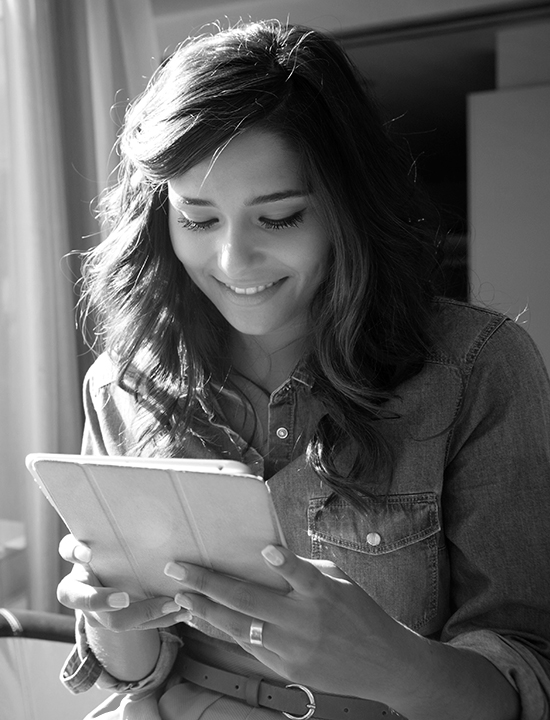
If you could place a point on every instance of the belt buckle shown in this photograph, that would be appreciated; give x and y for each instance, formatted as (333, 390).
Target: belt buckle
(311, 705)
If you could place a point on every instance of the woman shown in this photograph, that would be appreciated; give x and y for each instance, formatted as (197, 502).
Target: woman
(266, 294)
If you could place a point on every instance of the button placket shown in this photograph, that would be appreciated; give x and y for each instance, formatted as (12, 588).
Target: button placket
(281, 412)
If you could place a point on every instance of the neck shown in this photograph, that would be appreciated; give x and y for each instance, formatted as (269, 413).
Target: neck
(265, 363)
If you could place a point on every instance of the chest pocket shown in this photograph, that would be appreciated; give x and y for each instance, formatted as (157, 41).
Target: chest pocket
(392, 551)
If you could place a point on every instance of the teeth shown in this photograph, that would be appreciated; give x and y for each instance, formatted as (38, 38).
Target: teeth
(249, 290)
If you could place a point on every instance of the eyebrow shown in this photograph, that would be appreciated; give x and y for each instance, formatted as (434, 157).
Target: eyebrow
(258, 200)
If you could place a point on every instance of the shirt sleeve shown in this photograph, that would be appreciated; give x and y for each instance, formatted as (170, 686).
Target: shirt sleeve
(109, 416)
(496, 510)
(82, 669)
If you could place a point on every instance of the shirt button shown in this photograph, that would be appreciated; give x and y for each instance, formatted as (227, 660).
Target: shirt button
(282, 433)
(373, 539)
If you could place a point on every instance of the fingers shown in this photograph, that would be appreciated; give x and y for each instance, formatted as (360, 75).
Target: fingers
(80, 591)
(106, 606)
(142, 615)
(303, 576)
(230, 604)
(254, 601)
(244, 597)
(110, 608)
(74, 551)
(224, 602)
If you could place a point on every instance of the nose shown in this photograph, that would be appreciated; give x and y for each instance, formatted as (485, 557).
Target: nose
(238, 252)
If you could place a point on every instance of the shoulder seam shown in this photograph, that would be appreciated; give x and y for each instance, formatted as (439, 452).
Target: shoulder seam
(483, 336)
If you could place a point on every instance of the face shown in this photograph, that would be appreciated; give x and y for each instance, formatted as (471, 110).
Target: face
(246, 230)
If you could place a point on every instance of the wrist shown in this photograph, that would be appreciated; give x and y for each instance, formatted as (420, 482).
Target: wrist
(129, 655)
(444, 681)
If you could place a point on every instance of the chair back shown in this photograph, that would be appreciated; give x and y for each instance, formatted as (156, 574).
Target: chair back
(33, 648)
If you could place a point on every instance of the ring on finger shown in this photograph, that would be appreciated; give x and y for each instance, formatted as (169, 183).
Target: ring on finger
(256, 632)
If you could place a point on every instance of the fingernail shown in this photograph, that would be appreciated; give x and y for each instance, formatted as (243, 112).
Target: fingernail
(273, 555)
(82, 553)
(183, 617)
(175, 571)
(118, 600)
(170, 607)
(183, 601)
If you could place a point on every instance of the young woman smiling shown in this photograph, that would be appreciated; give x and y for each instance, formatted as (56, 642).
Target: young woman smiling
(266, 294)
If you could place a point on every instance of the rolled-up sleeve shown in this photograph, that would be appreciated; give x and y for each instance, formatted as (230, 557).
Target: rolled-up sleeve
(82, 669)
(522, 666)
(496, 507)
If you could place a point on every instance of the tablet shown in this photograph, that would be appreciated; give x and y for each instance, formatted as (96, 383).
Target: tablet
(137, 514)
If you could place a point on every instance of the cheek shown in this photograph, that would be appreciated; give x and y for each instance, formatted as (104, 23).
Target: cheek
(317, 248)
(179, 251)
(180, 242)
(315, 259)
(174, 238)
(185, 250)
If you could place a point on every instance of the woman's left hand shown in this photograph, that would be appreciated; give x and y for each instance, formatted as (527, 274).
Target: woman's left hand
(326, 633)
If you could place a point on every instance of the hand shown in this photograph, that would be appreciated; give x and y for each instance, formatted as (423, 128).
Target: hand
(326, 633)
(104, 606)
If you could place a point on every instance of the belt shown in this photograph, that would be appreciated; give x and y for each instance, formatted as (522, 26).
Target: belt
(296, 702)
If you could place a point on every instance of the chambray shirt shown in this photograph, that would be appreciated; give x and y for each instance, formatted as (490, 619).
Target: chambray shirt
(459, 550)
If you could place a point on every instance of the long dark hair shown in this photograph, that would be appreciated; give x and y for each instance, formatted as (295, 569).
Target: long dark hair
(373, 311)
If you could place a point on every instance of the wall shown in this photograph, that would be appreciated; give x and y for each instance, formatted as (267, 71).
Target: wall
(175, 24)
(509, 183)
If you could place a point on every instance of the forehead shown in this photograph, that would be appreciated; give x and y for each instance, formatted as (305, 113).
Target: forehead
(254, 163)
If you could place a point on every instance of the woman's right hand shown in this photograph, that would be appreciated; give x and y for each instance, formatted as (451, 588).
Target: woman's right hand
(108, 607)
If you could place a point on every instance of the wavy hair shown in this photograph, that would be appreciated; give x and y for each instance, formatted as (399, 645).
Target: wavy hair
(373, 311)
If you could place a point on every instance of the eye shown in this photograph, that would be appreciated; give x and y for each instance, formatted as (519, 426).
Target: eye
(291, 221)
(195, 225)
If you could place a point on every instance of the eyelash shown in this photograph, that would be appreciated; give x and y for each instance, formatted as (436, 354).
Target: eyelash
(192, 225)
(288, 222)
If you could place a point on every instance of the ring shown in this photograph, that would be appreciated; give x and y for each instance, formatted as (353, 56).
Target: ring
(256, 632)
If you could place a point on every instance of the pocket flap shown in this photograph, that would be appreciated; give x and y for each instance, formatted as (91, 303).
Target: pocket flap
(389, 523)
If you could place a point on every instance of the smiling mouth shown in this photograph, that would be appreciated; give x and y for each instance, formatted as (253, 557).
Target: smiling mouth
(251, 290)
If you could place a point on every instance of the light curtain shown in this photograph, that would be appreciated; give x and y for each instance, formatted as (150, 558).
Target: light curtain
(42, 221)
(124, 52)
(39, 350)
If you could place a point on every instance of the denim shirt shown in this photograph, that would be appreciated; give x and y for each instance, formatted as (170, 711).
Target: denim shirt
(460, 548)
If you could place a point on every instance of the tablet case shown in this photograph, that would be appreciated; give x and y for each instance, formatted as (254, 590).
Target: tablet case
(136, 514)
